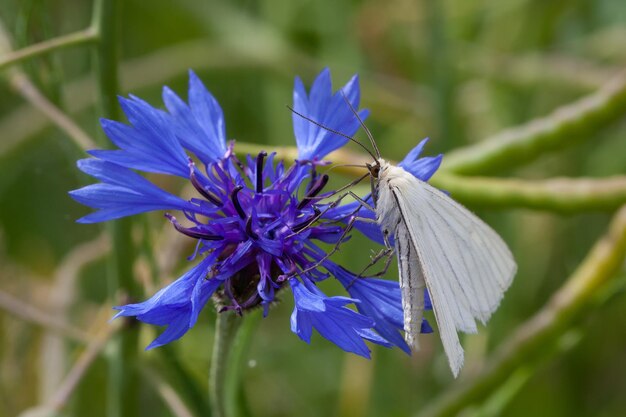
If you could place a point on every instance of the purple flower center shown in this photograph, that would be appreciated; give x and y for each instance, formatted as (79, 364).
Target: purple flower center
(256, 219)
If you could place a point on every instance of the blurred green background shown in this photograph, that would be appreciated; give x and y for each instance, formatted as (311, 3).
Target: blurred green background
(456, 71)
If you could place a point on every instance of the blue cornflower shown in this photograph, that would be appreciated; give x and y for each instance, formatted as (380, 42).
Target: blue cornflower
(256, 221)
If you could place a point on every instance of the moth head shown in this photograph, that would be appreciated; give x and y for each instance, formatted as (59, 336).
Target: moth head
(374, 169)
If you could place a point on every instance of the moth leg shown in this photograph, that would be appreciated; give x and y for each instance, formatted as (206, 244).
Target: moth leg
(364, 219)
(337, 191)
(319, 214)
(386, 239)
(335, 248)
(389, 256)
(363, 202)
(335, 203)
(386, 253)
(349, 226)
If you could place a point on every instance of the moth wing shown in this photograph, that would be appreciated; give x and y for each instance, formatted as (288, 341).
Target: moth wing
(411, 285)
(467, 267)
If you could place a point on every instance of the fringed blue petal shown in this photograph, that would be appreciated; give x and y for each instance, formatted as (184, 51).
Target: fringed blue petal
(329, 316)
(329, 110)
(121, 193)
(149, 144)
(379, 300)
(176, 306)
(199, 126)
(422, 168)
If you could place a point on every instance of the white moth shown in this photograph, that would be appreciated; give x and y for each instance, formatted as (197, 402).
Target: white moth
(441, 246)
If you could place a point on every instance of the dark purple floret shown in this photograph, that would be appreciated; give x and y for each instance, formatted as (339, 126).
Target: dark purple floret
(263, 212)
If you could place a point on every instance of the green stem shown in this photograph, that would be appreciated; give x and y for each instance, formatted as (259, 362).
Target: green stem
(239, 352)
(506, 392)
(31, 313)
(442, 77)
(568, 303)
(560, 195)
(232, 338)
(180, 377)
(532, 69)
(226, 327)
(24, 87)
(77, 38)
(560, 129)
(500, 398)
(123, 388)
(123, 383)
(104, 23)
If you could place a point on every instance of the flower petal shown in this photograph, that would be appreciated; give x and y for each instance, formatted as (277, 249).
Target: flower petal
(121, 193)
(327, 109)
(330, 317)
(200, 125)
(149, 144)
(379, 299)
(422, 168)
(176, 306)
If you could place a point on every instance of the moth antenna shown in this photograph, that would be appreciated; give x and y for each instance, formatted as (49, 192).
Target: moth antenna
(367, 131)
(346, 165)
(336, 132)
